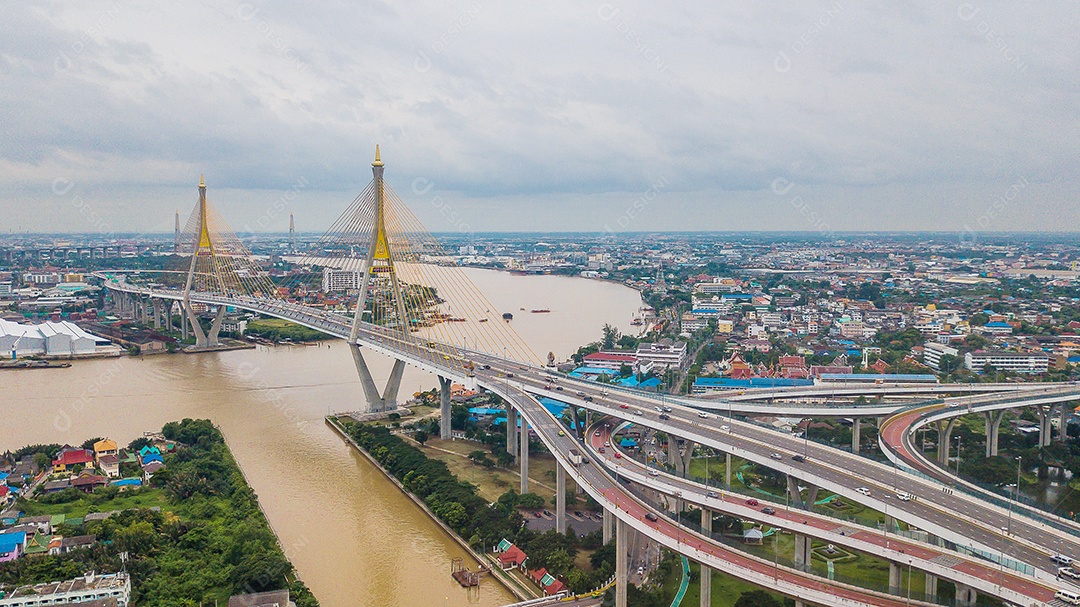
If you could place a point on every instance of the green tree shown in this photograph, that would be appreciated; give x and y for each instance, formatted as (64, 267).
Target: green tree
(421, 436)
(611, 336)
(757, 598)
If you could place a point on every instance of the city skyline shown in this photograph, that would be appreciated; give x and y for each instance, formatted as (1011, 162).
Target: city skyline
(627, 117)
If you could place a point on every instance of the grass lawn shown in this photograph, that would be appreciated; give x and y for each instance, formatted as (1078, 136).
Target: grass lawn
(138, 498)
(725, 588)
(494, 482)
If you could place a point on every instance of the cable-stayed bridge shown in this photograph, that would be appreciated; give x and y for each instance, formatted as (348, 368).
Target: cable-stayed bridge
(408, 301)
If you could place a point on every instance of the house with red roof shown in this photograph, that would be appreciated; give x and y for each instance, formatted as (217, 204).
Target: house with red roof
(69, 458)
(510, 556)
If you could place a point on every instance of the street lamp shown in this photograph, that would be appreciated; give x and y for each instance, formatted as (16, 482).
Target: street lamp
(776, 553)
(1016, 492)
(957, 456)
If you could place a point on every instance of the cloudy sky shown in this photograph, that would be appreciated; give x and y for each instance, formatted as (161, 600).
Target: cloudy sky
(576, 116)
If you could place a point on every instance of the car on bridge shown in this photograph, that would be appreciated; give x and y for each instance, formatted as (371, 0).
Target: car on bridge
(751, 502)
(712, 494)
(624, 406)
(652, 517)
(768, 510)
(703, 415)
(776, 456)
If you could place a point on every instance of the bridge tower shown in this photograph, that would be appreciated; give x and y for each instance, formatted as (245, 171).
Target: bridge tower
(378, 271)
(203, 253)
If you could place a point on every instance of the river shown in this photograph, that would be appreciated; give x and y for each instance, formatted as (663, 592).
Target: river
(354, 538)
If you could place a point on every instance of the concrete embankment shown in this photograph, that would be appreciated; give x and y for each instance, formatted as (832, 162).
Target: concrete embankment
(520, 591)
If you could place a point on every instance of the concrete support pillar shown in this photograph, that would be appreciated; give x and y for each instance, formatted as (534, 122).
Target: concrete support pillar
(894, 577)
(1045, 429)
(803, 547)
(183, 322)
(523, 455)
(444, 402)
(993, 426)
(196, 328)
(156, 305)
(560, 498)
(945, 428)
(706, 574)
(511, 431)
(215, 328)
(1063, 421)
(856, 427)
(622, 577)
(688, 454)
(931, 585)
(797, 499)
(578, 429)
(727, 470)
(673, 458)
(966, 596)
(609, 525)
(373, 400)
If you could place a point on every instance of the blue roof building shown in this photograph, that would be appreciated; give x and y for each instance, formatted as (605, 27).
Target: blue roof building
(715, 384)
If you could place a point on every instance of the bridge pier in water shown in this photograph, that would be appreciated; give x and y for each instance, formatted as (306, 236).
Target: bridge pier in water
(706, 573)
(622, 577)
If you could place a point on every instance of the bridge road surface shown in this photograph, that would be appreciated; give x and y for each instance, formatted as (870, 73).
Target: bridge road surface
(629, 509)
(953, 516)
(822, 526)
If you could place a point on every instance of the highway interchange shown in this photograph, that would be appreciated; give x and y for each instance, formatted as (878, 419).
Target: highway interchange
(951, 515)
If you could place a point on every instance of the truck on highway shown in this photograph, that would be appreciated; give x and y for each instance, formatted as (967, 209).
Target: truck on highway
(575, 457)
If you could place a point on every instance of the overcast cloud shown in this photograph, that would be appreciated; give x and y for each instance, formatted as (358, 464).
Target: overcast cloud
(559, 115)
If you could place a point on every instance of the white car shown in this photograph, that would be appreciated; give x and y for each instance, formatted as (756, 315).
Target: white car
(638, 412)
(1069, 572)
(863, 490)
(777, 456)
(903, 496)
(725, 428)
(703, 415)
(659, 409)
(653, 473)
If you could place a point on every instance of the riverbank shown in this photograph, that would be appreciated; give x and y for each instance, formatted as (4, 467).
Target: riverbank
(520, 591)
(195, 533)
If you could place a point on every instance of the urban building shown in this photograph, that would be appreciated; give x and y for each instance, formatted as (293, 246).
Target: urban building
(335, 281)
(933, 351)
(83, 589)
(62, 338)
(663, 354)
(1017, 362)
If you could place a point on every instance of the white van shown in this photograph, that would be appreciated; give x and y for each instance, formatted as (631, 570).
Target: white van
(1068, 596)
(1061, 559)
